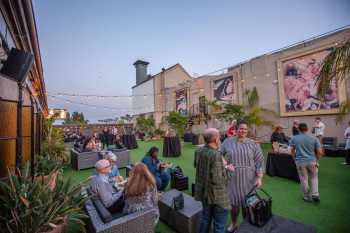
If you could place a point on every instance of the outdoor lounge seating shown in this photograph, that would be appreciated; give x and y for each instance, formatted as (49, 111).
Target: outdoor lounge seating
(83, 160)
(123, 157)
(101, 220)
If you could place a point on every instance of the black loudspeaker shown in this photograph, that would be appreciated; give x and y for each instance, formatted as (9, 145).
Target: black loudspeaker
(17, 65)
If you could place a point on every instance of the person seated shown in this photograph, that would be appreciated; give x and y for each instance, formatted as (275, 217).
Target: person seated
(114, 174)
(157, 168)
(141, 191)
(92, 143)
(110, 196)
(279, 136)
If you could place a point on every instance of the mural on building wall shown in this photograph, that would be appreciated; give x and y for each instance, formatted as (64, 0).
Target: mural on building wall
(223, 89)
(298, 86)
(181, 101)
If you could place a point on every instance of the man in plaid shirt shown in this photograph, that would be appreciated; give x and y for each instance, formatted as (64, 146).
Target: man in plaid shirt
(211, 183)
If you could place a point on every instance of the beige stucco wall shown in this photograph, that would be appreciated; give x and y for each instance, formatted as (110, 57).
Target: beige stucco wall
(165, 84)
(262, 72)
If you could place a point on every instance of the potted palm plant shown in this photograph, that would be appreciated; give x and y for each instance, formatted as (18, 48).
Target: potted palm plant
(29, 206)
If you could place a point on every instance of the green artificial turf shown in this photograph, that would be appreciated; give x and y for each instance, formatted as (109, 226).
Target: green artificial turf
(330, 216)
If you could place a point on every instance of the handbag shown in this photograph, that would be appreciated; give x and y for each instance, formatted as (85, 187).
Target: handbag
(178, 202)
(259, 210)
(177, 171)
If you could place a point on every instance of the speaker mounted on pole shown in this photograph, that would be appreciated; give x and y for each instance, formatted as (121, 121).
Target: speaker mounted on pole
(17, 65)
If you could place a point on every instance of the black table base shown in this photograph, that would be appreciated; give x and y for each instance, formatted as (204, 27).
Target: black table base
(129, 141)
(281, 165)
(195, 139)
(171, 147)
(334, 151)
(188, 137)
(347, 157)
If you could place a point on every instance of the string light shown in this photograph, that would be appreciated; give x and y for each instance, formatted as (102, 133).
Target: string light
(91, 105)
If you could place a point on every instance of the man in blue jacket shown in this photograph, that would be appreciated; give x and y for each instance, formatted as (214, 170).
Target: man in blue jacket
(157, 168)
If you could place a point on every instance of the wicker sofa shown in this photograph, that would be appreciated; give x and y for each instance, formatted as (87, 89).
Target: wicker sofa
(102, 221)
(83, 160)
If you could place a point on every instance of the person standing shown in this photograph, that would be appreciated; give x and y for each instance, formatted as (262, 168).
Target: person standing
(295, 129)
(104, 137)
(319, 128)
(347, 144)
(307, 151)
(347, 137)
(211, 183)
(279, 136)
(231, 131)
(247, 157)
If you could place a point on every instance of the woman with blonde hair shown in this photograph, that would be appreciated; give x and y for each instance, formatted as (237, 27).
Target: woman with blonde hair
(141, 191)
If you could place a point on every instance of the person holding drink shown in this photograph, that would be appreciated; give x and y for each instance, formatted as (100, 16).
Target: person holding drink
(158, 168)
(247, 158)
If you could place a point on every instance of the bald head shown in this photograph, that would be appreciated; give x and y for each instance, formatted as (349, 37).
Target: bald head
(210, 135)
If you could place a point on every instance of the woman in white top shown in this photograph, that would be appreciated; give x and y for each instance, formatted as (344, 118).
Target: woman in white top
(347, 137)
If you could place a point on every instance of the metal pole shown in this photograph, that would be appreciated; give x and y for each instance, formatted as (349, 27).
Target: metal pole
(19, 127)
(32, 138)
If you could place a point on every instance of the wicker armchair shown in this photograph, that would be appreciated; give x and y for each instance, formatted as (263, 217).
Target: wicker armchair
(102, 221)
(123, 157)
(82, 160)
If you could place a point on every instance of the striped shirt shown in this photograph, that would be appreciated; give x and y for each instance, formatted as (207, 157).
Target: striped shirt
(248, 159)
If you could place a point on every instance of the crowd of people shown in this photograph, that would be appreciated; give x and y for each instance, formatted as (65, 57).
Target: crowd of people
(99, 141)
(225, 172)
(139, 192)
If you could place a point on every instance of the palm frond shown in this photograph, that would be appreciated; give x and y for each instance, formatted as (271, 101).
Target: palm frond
(336, 65)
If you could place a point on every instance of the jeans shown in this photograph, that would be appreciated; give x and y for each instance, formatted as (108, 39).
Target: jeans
(162, 180)
(213, 212)
(308, 175)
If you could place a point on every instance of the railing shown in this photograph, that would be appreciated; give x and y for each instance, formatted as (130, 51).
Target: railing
(195, 110)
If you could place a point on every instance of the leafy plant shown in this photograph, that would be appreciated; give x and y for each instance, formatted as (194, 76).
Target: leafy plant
(76, 118)
(30, 206)
(178, 122)
(336, 65)
(45, 165)
(53, 144)
(250, 112)
(146, 125)
(158, 132)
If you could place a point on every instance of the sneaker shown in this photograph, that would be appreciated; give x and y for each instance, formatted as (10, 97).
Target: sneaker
(307, 199)
(231, 229)
(316, 199)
